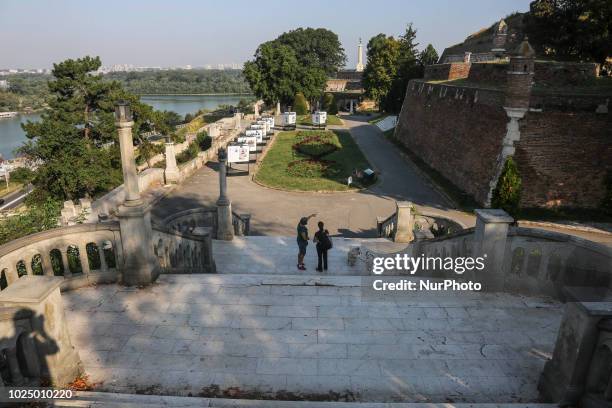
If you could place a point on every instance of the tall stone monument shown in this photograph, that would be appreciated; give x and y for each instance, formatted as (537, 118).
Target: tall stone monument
(360, 66)
(140, 265)
(225, 227)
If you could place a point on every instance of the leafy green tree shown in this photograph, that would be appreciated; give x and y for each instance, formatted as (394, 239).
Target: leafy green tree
(329, 104)
(571, 29)
(75, 142)
(507, 192)
(316, 47)
(300, 105)
(381, 68)
(273, 74)
(408, 67)
(38, 217)
(22, 175)
(428, 56)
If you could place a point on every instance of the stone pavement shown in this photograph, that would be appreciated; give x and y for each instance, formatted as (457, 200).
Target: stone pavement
(313, 337)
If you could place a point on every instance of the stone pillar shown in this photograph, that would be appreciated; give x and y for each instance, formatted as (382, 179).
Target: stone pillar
(256, 110)
(140, 266)
(128, 164)
(41, 295)
(404, 231)
(172, 171)
(564, 378)
(237, 121)
(278, 109)
(351, 109)
(467, 57)
(490, 242)
(67, 272)
(225, 227)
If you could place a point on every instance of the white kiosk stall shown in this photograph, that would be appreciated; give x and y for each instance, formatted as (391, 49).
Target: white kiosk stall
(319, 118)
(288, 120)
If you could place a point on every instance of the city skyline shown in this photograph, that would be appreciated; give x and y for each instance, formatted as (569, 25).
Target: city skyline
(207, 33)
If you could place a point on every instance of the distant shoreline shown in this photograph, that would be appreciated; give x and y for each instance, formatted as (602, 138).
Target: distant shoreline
(198, 94)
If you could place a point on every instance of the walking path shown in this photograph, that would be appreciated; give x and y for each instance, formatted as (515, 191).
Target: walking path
(351, 214)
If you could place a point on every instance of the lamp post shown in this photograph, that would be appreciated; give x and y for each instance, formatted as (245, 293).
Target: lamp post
(225, 227)
(124, 123)
(140, 266)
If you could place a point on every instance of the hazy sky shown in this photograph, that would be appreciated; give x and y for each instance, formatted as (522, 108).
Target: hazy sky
(178, 32)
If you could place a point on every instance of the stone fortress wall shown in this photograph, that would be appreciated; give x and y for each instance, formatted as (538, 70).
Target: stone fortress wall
(562, 144)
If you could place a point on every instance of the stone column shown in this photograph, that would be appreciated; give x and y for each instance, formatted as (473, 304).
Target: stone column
(225, 227)
(351, 109)
(237, 121)
(67, 271)
(256, 109)
(61, 363)
(490, 242)
(278, 109)
(140, 266)
(128, 164)
(172, 171)
(404, 231)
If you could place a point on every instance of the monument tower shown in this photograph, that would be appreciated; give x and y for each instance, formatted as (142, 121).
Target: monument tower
(359, 67)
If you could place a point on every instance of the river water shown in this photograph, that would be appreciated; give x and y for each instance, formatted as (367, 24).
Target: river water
(12, 136)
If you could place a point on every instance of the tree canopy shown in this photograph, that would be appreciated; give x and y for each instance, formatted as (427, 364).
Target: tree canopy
(297, 61)
(579, 30)
(74, 143)
(391, 63)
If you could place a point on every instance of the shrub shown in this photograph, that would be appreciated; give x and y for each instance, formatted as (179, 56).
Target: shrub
(204, 141)
(507, 193)
(38, 217)
(329, 104)
(22, 175)
(300, 105)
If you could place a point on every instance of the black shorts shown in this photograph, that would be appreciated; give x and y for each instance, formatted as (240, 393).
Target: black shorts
(302, 247)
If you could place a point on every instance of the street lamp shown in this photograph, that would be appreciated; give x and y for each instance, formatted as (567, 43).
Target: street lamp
(123, 113)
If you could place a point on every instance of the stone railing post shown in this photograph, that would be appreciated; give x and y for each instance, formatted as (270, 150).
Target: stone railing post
(41, 295)
(84, 259)
(490, 242)
(405, 222)
(46, 264)
(225, 227)
(67, 272)
(139, 264)
(172, 171)
(103, 264)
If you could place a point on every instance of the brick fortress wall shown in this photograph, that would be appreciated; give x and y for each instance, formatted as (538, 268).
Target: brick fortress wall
(564, 152)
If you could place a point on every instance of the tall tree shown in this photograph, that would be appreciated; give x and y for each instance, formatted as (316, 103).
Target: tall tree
(74, 143)
(297, 61)
(381, 68)
(571, 29)
(408, 67)
(429, 56)
(316, 47)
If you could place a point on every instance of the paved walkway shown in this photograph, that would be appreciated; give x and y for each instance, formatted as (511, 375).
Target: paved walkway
(305, 337)
(277, 212)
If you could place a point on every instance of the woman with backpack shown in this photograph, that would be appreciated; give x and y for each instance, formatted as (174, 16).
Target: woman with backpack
(324, 244)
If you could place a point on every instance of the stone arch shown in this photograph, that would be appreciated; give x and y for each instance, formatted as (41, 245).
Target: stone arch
(93, 256)
(57, 264)
(36, 264)
(74, 260)
(20, 266)
(3, 279)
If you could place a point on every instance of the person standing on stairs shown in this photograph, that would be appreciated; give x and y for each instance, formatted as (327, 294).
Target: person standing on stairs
(324, 244)
(302, 240)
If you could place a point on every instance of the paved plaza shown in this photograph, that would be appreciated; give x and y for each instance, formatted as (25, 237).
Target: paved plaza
(308, 335)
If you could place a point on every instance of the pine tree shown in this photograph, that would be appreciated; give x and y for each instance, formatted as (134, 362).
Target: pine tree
(300, 105)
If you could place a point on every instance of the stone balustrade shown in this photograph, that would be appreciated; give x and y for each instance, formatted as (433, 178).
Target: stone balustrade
(184, 252)
(82, 254)
(188, 220)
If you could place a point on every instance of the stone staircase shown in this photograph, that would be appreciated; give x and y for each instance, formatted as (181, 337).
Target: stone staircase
(112, 400)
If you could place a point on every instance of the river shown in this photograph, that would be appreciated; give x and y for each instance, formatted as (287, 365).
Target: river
(12, 136)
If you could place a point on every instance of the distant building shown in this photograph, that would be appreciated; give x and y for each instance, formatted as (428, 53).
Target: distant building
(4, 84)
(346, 84)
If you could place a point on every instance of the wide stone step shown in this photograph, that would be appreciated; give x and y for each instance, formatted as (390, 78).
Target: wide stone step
(111, 400)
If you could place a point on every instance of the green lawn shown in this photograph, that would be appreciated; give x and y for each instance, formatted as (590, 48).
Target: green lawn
(306, 120)
(274, 170)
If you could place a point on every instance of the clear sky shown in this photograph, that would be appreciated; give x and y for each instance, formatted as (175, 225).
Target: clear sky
(36, 33)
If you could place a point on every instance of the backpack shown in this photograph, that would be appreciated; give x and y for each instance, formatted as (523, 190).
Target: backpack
(327, 241)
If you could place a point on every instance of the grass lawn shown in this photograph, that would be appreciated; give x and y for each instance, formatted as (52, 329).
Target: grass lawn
(306, 120)
(274, 170)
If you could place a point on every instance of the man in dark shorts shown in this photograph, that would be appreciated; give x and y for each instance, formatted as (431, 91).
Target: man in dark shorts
(302, 240)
